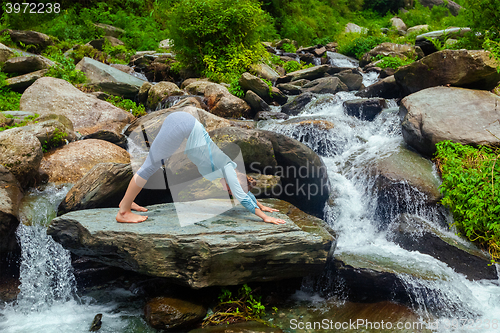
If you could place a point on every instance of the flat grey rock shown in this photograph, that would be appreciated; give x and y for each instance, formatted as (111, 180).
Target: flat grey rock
(109, 79)
(232, 248)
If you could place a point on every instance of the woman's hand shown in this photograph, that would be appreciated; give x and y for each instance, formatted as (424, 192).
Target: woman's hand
(268, 209)
(274, 220)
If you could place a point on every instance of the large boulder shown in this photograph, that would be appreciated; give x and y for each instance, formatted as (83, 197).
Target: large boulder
(406, 167)
(351, 78)
(385, 88)
(231, 248)
(24, 65)
(109, 79)
(10, 198)
(290, 89)
(365, 108)
(52, 130)
(22, 82)
(392, 50)
(256, 103)
(70, 163)
(296, 105)
(264, 71)
(28, 37)
(21, 153)
(325, 85)
(224, 104)
(250, 82)
(103, 186)
(418, 28)
(256, 148)
(414, 233)
(88, 114)
(473, 69)
(153, 121)
(173, 313)
(398, 23)
(5, 53)
(304, 178)
(197, 87)
(445, 113)
(160, 91)
(311, 73)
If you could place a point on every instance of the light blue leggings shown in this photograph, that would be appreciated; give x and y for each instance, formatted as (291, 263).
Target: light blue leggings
(212, 162)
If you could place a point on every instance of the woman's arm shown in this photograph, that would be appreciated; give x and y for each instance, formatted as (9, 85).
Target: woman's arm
(248, 200)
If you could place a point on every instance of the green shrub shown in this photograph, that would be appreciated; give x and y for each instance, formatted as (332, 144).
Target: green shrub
(9, 100)
(288, 48)
(56, 140)
(235, 89)
(127, 105)
(392, 62)
(218, 38)
(64, 68)
(291, 66)
(471, 189)
(358, 46)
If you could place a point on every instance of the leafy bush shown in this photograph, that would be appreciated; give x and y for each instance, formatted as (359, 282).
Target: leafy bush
(393, 62)
(64, 68)
(471, 189)
(235, 88)
(56, 140)
(288, 48)
(360, 45)
(218, 38)
(127, 105)
(9, 100)
(291, 66)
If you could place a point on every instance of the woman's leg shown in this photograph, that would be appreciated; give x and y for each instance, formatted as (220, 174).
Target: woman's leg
(125, 214)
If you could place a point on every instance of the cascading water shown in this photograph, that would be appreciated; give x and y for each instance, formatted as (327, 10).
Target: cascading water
(48, 301)
(351, 150)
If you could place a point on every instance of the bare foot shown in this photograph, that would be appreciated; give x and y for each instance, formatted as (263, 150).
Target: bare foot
(274, 220)
(138, 208)
(129, 217)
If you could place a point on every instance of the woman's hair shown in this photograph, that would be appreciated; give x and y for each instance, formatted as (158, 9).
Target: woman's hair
(242, 178)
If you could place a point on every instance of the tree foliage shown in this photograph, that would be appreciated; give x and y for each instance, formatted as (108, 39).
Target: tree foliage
(218, 38)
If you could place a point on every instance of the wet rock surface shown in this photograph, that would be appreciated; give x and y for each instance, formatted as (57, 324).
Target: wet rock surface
(228, 249)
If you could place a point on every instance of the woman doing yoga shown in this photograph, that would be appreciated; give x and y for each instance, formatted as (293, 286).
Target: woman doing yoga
(212, 163)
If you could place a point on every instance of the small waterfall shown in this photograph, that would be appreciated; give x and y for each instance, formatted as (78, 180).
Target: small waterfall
(370, 78)
(340, 60)
(46, 271)
(48, 301)
(46, 274)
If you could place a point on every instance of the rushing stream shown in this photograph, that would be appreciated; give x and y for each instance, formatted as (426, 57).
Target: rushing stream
(49, 302)
(349, 150)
